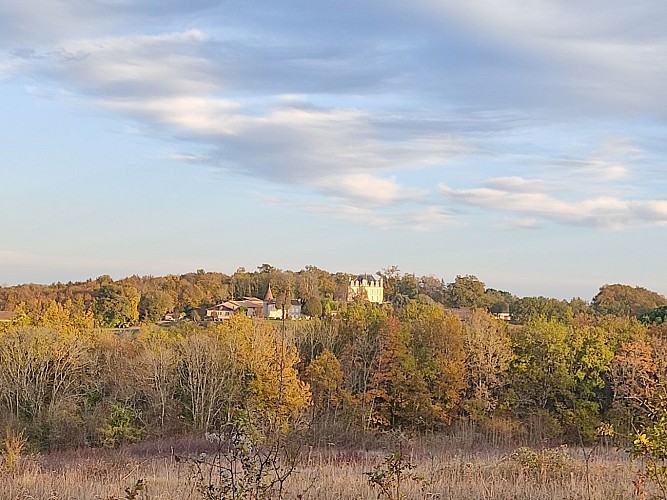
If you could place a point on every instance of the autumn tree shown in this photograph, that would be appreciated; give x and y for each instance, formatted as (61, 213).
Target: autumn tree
(333, 405)
(398, 396)
(488, 356)
(156, 369)
(637, 378)
(154, 305)
(210, 375)
(361, 348)
(437, 344)
(275, 390)
(43, 380)
(67, 316)
(308, 283)
(432, 287)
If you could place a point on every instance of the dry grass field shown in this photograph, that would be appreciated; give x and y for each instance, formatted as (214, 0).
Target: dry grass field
(442, 470)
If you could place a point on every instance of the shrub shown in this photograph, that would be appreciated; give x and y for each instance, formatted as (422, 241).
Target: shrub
(120, 428)
(12, 447)
(545, 464)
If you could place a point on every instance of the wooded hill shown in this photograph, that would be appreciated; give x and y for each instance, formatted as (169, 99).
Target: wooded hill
(410, 364)
(148, 298)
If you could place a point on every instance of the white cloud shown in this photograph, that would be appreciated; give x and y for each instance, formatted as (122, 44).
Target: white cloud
(171, 84)
(365, 187)
(568, 57)
(185, 114)
(355, 214)
(511, 223)
(605, 212)
(345, 120)
(131, 66)
(430, 218)
(516, 184)
(612, 161)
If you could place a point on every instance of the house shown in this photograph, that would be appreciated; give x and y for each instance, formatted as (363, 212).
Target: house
(220, 312)
(251, 306)
(270, 311)
(174, 316)
(368, 287)
(463, 313)
(254, 307)
(7, 315)
(505, 316)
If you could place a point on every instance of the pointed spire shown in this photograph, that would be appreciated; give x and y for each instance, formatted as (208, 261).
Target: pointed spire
(269, 295)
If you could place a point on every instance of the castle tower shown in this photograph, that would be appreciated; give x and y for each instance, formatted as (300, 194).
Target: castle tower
(268, 297)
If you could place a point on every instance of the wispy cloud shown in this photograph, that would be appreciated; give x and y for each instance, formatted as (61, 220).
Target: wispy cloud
(432, 86)
(430, 218)
(604, 212)
(516, 184)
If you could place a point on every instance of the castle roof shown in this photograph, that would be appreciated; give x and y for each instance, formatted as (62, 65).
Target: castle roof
(269, 295)
(368, 277)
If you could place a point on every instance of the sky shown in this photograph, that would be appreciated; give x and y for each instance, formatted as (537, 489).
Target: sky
(520, 142)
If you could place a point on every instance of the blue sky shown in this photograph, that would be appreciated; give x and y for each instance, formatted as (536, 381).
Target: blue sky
(522, 142)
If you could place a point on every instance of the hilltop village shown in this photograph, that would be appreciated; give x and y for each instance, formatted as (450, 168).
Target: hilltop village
(272, 293)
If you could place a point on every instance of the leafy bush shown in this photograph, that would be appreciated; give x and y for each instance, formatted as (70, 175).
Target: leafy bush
(545, 464)
(120, 428)
(392, 474)
(650, 445)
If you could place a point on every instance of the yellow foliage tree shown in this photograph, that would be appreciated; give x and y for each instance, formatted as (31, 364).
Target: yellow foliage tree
(275, 389)
(330, 398)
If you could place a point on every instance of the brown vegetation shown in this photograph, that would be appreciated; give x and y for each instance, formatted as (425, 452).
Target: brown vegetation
(446, 469)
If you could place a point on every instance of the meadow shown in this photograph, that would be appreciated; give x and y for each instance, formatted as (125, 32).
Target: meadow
(435, 467)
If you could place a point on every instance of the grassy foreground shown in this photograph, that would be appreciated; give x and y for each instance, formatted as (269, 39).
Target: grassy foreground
(441, 470)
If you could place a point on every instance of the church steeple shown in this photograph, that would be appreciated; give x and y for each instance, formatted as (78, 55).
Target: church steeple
(269, 295)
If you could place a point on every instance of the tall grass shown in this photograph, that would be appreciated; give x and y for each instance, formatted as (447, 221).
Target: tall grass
(448, 471)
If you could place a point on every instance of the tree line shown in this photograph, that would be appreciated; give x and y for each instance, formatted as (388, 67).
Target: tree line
(371, 368)
(129, 301)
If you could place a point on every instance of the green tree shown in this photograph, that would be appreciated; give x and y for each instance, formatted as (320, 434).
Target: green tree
(361, 349)
(527, 309)
(390, 278)
(408, 286)
(655, 316)
(466, 291)
(540, 375)
(313, 307)
(624, 300)
(499, 301)
(115, 305)
(154, 305)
